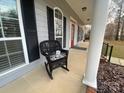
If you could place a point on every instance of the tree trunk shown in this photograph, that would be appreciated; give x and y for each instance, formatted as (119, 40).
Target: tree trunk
(118, 27)
(122, 31)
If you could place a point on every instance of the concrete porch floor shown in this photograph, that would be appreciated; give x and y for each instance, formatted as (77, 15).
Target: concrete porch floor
(37, 81)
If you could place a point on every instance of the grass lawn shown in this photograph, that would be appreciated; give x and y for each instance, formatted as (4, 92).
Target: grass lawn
(118, 49)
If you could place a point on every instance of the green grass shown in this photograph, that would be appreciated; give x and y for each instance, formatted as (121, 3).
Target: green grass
(118, 49)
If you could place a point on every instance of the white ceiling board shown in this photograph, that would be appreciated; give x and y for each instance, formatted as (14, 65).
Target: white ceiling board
(77, 6)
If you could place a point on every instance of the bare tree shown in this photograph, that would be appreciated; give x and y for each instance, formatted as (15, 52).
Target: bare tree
(111, 23)
(119, 21)
(119, 18)
(122, 29)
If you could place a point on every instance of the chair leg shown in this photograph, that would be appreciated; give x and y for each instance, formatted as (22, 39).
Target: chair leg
(65, 68)
(51, 76)
(48, 71)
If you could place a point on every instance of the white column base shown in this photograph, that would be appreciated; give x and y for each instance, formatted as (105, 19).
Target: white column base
(91, 84)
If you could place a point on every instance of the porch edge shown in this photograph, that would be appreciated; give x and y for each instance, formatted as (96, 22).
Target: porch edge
(9, 77)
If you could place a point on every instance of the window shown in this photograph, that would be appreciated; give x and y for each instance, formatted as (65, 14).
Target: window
(11, 45)
(58, 25)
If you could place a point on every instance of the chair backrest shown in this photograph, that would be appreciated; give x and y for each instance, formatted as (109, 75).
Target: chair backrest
(49, 46)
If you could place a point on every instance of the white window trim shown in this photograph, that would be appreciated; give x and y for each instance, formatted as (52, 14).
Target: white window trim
(22, 38)
(22, 31)
(12, 38)
(55, 25)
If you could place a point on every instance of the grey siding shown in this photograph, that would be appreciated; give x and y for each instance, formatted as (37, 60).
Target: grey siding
(67, 10)
(41, 17)
(41, 21)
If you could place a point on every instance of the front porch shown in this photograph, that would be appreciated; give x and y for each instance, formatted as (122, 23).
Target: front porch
(37, 80)
(60, 20)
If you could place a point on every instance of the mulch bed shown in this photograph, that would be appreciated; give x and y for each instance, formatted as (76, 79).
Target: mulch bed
(110, 78)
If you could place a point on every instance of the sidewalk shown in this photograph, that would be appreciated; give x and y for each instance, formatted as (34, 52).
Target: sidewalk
(118, 61)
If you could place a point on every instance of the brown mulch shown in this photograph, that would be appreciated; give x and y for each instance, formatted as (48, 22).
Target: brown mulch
(110, 78)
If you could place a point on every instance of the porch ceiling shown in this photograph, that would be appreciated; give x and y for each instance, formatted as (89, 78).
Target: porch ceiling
(77, 5)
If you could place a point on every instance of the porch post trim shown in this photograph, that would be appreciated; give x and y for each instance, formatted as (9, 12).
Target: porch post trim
(100, 16)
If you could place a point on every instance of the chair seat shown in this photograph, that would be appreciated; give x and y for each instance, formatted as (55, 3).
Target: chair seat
(55, 57)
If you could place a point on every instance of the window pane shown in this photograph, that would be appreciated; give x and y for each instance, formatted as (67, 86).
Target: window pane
(14, 46)
(58, 14)
(17, 59)
(11, 27)
(8, 8)
(11, 51)
(58, 24)
(2, 48)
(4, 63)
(15, 54)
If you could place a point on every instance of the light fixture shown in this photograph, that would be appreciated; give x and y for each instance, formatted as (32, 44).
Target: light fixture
(84, 9)
(88, 19)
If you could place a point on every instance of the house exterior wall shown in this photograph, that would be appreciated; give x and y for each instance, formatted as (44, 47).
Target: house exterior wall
(41, 18)
(42, 31)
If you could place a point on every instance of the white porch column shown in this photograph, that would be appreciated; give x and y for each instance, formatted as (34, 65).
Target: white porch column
(96, 40)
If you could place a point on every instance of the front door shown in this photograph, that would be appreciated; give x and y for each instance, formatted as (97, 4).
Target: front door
(72, 34)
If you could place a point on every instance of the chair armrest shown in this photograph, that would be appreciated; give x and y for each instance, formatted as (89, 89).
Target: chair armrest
(47, 56)
(65, 51)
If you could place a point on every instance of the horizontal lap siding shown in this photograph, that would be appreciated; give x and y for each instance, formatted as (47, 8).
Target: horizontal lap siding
(41, 20)
(41, 17)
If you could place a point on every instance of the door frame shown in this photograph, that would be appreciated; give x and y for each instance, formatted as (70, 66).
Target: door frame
(73, 21)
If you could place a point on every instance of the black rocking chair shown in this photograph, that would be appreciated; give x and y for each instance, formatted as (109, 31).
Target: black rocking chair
(49, 49)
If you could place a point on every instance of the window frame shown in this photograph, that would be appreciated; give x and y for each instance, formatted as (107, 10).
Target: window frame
(22, 38)
(55, 25)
